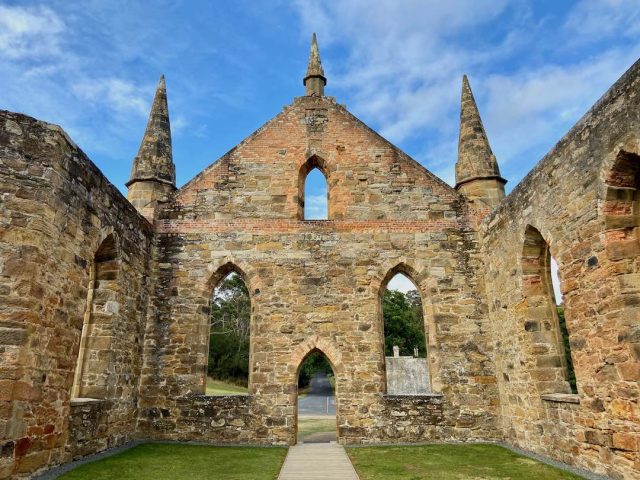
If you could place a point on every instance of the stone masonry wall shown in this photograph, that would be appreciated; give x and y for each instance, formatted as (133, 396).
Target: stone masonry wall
(317, 284)
(590, 227)
(55, 210)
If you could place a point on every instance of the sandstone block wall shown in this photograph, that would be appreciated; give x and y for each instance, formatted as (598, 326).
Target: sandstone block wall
(318, 284)
(55, 210)
(582, 199)
(494, 354)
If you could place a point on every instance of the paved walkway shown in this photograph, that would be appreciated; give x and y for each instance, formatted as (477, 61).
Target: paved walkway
(317, 461)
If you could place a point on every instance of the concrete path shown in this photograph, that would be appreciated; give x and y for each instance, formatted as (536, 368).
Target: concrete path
(317, 461)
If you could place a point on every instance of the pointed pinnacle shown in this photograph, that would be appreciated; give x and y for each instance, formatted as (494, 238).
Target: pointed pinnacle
(155, 158)
(475, 158)
(314, 67)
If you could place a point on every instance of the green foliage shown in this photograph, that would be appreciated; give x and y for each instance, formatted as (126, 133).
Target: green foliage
(403, 322)
(230, 328)
(314, 363)
(195, 462)
(571, 373)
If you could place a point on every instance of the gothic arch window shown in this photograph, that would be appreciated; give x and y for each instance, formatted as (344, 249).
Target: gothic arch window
(622, 202)
(404, 334)
(548, 345)
(621, 210)
(94, 362)
(313, 190)
(229, 335)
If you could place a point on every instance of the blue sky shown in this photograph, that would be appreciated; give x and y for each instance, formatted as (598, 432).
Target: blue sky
(92, 67)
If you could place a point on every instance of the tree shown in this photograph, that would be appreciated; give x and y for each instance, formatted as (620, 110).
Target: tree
(314, 363)
(571, 373)
(403, 322)
(230, 330)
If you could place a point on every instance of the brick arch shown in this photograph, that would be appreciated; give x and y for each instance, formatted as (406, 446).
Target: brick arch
(223, 267)
(621, 198)
(387, 270)
(312, 162)
(316, 344)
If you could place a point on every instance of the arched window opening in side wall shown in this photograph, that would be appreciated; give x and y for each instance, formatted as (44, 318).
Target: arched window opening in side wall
(229, 337)
(313, 188)
(94, 365)
(562, 323)
(405, 346)
(549, 349)
(621, 212)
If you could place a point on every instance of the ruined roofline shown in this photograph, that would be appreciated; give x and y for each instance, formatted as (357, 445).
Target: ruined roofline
(82, 157)
(404, 156)
(609, 95)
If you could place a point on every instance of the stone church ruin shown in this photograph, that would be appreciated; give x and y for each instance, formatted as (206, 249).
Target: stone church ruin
(105, 300)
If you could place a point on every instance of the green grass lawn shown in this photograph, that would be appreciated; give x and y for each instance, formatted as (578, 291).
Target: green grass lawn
(193, 462)
(449, 462)
(218, 387)
(308, 426)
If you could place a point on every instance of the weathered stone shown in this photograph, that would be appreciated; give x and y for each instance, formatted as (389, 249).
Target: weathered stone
(98, 301)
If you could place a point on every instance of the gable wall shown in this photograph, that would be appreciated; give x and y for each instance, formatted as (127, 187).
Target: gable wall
(318, 283)
(368, 178)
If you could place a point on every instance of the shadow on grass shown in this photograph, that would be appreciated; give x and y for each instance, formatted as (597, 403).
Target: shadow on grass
(154, 461)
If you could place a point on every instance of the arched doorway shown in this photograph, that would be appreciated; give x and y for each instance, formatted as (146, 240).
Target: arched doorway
(316, 400)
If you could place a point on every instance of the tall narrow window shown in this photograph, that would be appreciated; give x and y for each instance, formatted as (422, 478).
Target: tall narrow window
(315, 196)
(95, 362)
(229, 337)
(550, 348)
(313, 191)
(407, 368)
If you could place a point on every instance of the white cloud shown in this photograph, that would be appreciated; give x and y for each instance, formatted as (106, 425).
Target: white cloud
(29, 32)
(592, 20)
(537, 106)
(121, 96)
(315, 207)
(405, 61)
(555, 281)
(404, 66)
(401, 283)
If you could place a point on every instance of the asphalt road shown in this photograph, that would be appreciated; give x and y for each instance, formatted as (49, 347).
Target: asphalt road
(320, 400)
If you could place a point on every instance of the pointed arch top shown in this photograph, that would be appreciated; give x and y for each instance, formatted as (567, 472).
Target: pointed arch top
(317, 344)
(315, 161)
(108, 249)
(407, 270)
(222, 272)
(536, 263)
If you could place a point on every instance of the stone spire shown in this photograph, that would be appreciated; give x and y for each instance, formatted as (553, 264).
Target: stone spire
(153, 175)
(477, 171)
(314, 80)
